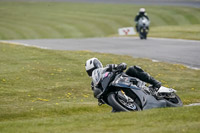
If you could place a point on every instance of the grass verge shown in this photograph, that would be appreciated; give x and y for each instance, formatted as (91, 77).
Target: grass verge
(49, 91)
(30, 20)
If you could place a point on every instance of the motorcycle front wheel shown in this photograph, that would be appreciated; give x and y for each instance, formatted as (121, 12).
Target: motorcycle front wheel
(121, 104)
(143, 34)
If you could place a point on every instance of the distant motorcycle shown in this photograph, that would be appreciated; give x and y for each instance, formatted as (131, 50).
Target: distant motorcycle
(143, 27)
(125, 93)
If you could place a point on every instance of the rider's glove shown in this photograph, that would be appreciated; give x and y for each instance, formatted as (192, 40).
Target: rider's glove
(111, 67)
(121, 66)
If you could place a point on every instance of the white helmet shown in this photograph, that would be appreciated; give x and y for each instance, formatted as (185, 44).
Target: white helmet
(142, 10)
(92, 64)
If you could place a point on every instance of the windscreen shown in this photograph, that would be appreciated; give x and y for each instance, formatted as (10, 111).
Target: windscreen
(143, 20)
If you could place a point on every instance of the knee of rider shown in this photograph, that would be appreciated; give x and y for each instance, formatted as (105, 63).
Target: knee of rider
(138, 69)
(144, 76)
(131, 71)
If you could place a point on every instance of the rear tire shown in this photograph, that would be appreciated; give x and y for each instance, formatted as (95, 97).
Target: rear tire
(114, 101)
(174, 102)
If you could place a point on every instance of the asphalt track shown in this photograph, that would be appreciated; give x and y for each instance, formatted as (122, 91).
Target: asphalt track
(176, 51)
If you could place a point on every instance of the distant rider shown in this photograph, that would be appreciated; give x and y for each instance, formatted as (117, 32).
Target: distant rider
(133, 71)
(141, 13)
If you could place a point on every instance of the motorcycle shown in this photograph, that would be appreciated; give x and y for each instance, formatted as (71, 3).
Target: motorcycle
(125, 93)
(143, 27)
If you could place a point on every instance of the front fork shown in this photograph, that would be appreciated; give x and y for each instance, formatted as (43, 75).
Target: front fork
(128, 99)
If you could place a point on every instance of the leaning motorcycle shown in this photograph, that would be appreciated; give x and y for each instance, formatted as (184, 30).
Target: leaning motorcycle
(125, 93)
(143, 27)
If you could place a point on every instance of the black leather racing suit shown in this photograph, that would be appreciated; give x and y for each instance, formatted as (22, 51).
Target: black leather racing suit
(136, 71)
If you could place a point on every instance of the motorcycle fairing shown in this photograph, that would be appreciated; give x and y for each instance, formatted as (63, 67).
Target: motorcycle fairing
(143, 21)
(106, 80)
(147, 101)
(103, 84)
(100, 76)
(125, 82)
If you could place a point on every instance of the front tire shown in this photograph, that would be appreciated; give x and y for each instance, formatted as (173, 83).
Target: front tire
(120, 104)
(141, 33)
(145, 35)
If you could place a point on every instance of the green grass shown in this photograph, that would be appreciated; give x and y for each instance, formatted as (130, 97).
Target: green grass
(179, 120)
(185, 32)
(49, 91)
(31, 20)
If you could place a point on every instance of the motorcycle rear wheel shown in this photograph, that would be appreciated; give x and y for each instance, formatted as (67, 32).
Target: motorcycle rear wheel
(174, 102)
(119, 105)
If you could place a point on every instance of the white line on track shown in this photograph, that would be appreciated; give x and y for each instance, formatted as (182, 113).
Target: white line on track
(24, 44)
(193, 104)
(162, 39)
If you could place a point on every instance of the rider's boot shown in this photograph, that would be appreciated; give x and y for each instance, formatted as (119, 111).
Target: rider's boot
(156, 84)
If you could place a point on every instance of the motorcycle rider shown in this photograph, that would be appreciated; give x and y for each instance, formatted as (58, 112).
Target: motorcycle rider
(133, 71)
(141, 13)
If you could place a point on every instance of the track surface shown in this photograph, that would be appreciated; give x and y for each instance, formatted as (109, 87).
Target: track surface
(185, 52)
